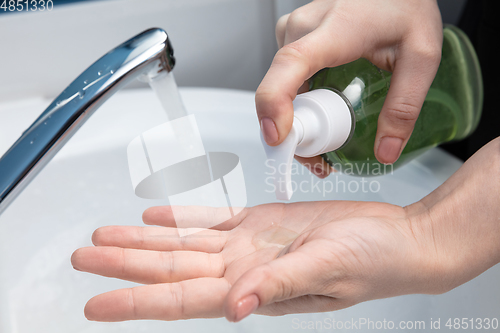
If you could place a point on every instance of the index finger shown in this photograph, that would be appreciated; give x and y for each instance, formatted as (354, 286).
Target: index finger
(293, 64)
(216, 217)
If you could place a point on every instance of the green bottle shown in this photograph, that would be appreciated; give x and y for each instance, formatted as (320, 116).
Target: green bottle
(451, 110)
(338, 117)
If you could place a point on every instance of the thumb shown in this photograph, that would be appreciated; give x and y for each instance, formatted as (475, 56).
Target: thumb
(410, 82)
(287, 277)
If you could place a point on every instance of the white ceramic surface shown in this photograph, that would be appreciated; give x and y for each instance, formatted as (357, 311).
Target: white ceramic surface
(87, 185)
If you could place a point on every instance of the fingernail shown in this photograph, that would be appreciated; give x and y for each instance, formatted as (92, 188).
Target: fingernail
(246, 306)
(319, 172)
(269, 131)
(389, 149)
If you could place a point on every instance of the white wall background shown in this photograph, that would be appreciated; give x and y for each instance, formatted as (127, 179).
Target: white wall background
(217, 43)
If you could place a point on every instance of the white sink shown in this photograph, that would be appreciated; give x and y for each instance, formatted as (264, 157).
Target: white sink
(87, 185)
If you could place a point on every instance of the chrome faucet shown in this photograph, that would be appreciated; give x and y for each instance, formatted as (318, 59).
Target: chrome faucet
(148, 53)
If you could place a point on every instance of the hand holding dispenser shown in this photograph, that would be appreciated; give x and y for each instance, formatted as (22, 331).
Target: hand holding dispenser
(338, 118)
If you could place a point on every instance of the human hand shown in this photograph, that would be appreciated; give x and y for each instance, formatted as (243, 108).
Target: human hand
(341, 253)
(403, 37)
(271, 259)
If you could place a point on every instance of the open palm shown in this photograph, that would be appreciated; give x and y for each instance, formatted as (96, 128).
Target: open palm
(270, 259)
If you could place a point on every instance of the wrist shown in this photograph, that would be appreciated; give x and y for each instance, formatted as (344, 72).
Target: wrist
(430, 261)
(459, 223)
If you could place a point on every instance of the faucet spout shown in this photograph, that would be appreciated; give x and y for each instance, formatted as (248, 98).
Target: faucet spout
(148, 53)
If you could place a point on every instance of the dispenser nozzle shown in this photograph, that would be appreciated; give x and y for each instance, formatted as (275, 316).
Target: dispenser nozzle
(323, 121)
(280, 159)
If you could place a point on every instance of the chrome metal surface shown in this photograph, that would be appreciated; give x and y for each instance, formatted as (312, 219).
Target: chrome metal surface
(148, 53)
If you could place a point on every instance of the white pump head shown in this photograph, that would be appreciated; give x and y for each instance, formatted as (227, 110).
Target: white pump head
(322, 122)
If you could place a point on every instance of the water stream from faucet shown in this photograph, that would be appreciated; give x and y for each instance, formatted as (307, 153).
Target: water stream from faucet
(166, 91)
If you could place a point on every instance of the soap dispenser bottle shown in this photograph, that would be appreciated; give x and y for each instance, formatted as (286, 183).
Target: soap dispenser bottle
(337, 118)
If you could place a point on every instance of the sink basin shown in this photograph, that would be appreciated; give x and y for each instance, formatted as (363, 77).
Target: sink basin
(87, 185)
